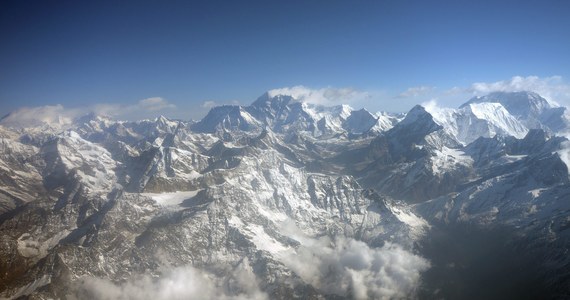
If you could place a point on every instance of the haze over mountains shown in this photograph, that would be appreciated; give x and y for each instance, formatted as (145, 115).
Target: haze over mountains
(287, 199)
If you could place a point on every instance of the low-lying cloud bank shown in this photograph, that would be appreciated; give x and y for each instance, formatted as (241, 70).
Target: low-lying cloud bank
(176, 283)
(58, 115)
(343, 267)
(350, 268)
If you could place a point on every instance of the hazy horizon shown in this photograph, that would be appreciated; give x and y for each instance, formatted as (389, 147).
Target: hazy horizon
(180, 59)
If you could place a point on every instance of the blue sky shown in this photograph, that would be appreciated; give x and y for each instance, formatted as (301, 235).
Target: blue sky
(179, 58)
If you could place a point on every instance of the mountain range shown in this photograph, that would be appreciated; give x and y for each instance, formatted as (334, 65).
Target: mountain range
(286, 199)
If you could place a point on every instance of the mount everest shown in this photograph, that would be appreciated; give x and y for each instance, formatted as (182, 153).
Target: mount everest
(286, 199)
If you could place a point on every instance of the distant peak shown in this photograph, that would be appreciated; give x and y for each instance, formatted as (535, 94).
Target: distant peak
(296, 92)
(363, 112)
(512, 98)
(343, 110)
(268, 99)
(417, 109)
(162, 119)
(517, 93)
(92, 116)
(475, 106)
(416, 113)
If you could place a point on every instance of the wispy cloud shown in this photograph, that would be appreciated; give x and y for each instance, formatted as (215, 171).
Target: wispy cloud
(211, 103)
(516, 84)
(553, 88)
(151, 105)
(58, 115)
(416, 91)
(324, 96)
(36, 116)
(564, 153)
(454, 91)
(154, 104)
(208, 104)
(176, 283)
(344, 267)
(351, 269)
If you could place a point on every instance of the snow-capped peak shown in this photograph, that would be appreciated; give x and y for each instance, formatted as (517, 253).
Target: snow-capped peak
(227, 118)
(441, 115)
(286, 111)
(418, 113)
(299, 93)
(498, 117)
(274, 102)
(475, 120)
(529, 108)
(518, 103)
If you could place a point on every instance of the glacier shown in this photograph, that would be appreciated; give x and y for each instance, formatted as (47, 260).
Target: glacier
(287, 199)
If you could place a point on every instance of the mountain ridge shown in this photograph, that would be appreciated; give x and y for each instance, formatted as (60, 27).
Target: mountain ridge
(279, 192)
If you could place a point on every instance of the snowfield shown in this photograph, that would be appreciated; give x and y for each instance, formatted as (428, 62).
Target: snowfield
(286, 199)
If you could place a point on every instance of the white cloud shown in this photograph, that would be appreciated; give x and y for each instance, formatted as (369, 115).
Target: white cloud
(416, 91)
(553, 88)
(341, 266)
(108, 109)
(211, 104)
(324, 96)
(58, 116)
(208, 104)
(177, 283)
(564, 153)
(55, 115)
(148, 106)
(516, 84)
(154, 104)
(347, 267)
(352, 269)
(431, 105)
(454, 91)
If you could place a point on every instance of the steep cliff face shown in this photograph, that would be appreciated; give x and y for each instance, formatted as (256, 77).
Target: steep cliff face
(246, 205)
(531, 109)
(280, 199)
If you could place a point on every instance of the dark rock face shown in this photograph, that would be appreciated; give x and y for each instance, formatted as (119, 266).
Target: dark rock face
(283, 199)
(533, 110)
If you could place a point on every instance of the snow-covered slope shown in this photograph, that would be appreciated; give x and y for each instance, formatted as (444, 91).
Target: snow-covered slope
(530, 108)
(20, 174)
(284, 114)
(135, 200)
(520, 187)
(277, 200)
(476, 120)
(226, 118)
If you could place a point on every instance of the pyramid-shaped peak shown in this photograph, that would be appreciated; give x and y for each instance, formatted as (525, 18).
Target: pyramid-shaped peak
(162, 119)
(417, 112)
(268, 100)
